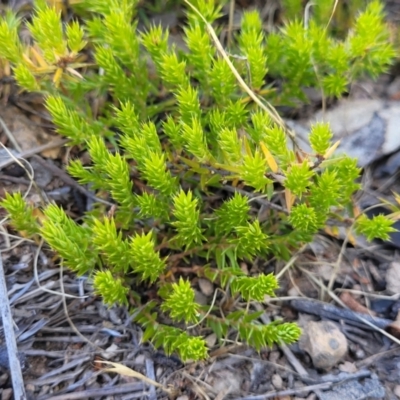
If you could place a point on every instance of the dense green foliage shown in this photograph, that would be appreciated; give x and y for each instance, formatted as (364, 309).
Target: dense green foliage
(191, 123)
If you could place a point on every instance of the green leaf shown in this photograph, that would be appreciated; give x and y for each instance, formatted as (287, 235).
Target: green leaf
(255, 288)
(180, 303)
(320, 137)
(22, 215)
(298, 178)
(146, 261)
(187, 221)
(379, 227)
(253, 171)
(111, 289)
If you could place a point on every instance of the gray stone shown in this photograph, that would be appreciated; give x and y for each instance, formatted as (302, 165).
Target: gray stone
(367, 129)
(370, 388)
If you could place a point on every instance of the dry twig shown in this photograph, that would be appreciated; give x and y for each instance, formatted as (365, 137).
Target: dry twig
(15, 365)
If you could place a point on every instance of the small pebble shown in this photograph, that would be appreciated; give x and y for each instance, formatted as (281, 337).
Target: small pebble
(114, 317)
(211, 339)
(277, 382)
(140, 359)
(3, 378)
(43, 390)
(393, 278)
(360, 354)
(30, 388)
(324, 342)
(206, 287)
(226, 382)
(110, 352)
(294, 292)
(6, 395)
(348, 367)
(274, 356)
(396, 390)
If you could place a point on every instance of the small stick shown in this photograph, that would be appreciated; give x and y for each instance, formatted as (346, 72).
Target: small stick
(332, 312)
(6, 316)
(21, 181)
(288, 392)
(304, 375)
(68, 180)
(294, 362)
(135, 389)
(354, 305)
(31, 152)
(345, 376)
(375, 357)
(151, 375)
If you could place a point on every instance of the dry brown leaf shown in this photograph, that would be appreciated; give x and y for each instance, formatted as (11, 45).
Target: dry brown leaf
(290, 199)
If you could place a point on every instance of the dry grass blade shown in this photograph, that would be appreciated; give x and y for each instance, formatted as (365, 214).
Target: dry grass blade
(126, 371)
(10, 136)
(290, 262)
(268, 108)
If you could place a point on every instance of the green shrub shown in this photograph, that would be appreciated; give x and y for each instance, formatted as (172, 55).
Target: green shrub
(187, 125)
